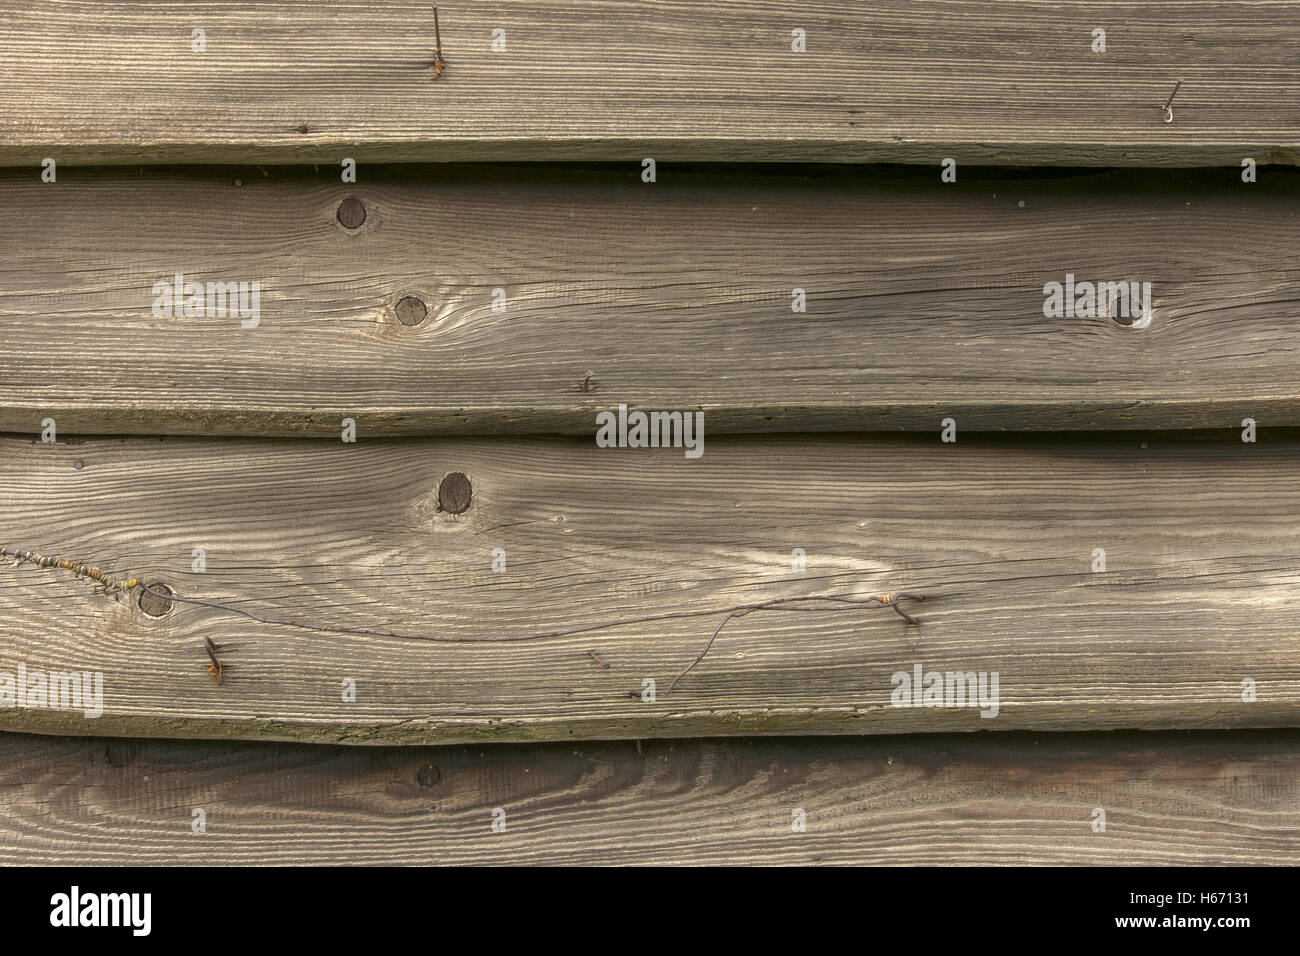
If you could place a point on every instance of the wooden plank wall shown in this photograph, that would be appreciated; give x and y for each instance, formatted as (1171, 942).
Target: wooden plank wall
(939, 799)
(892, 81)
(1112, 532)
(673, 295)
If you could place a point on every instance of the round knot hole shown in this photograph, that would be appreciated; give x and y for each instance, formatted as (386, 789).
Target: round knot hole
(152, 601)
(352, 213)
(455, 494)
(411, 311)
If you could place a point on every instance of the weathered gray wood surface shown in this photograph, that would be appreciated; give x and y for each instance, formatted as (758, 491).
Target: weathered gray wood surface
(925, 301)
(1205, 798)
(622, 79)
(1199, 594)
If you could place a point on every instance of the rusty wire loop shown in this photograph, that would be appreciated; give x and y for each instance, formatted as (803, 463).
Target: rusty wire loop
(119, 586)
(105, 583)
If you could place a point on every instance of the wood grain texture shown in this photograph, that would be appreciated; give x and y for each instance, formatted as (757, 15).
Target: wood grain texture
(1199, 592)
(925, 300)
(1205, 798)
(891, 81)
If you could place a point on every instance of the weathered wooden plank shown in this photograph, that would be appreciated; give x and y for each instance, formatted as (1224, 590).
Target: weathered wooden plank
(924, 300)
(1198, 595)
(894, 81)
(1206, 798)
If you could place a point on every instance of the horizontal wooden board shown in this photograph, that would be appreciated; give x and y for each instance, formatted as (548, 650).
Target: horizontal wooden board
(1198, 595)
(1206, 798)
(924, 301)
(892, 81)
